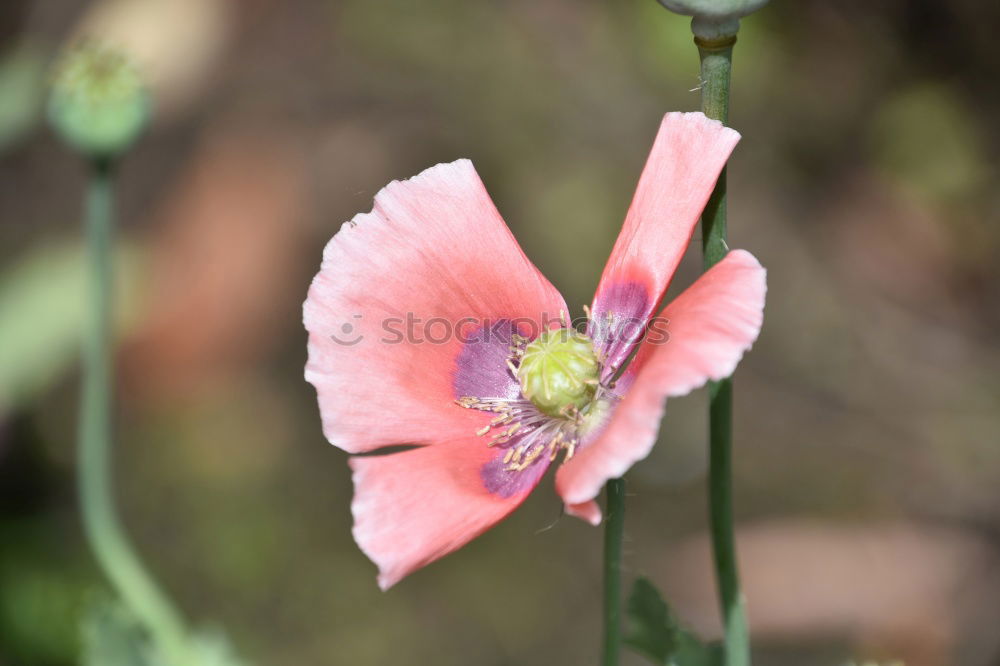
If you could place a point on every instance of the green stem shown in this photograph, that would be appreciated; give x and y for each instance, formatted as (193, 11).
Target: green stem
(614, 529)
(716, 68)
(101, 523)
(716, 65)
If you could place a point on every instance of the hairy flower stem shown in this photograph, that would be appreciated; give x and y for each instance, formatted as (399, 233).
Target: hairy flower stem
(716, 66)
(103, 528)
(614, 529)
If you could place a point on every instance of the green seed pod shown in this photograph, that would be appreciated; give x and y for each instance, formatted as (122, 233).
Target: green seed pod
(559, 372)
(98, 104)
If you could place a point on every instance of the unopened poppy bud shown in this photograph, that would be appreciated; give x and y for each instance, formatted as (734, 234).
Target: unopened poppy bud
(714, 19)
(559, 371)
(98, 104)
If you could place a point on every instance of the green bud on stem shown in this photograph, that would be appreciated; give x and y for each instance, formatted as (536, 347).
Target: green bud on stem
(98, 104)
(714, 20)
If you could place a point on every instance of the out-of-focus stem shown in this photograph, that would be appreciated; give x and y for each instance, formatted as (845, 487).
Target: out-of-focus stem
(614, 529)
(716, 68)
(103, 528)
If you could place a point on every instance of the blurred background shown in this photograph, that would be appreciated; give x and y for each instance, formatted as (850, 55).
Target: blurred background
(867, 458)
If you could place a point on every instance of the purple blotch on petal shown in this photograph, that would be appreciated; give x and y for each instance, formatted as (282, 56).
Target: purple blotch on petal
(481, 367)
(498, 480)
(619, 318)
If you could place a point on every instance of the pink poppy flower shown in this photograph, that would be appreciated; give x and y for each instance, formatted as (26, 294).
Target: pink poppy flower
(428, 326)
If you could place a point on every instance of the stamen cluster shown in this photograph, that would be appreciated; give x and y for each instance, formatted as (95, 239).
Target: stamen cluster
(561, 398)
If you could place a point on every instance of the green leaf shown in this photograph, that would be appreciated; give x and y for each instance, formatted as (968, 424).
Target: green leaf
(654, 632)
(112, 637)
(649, 623)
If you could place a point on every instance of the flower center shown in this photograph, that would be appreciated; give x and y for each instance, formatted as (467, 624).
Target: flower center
(561, 401)
(559, 372)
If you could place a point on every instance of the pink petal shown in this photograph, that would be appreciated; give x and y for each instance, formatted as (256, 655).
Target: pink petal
(710, 326)
(588, 511)
(414, 507)
(434, 247)
(683, 166)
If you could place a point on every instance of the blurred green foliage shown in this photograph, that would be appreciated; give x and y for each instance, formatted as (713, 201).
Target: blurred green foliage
(923, 136)
(39, 612)
(22, 92)
(113, 637)
(42, 315)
